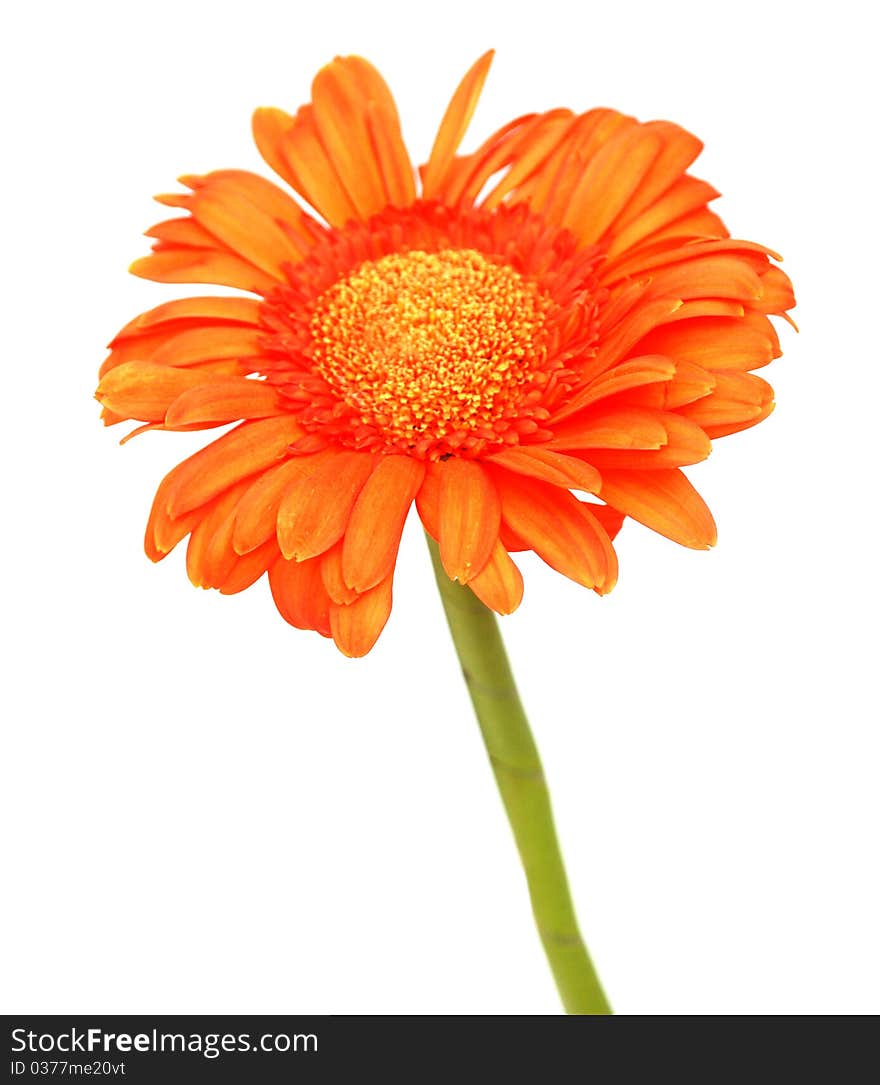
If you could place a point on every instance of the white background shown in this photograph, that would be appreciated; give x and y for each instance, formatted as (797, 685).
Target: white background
(206, 811)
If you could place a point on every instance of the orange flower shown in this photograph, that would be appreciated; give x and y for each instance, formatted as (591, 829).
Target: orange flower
(558, 311)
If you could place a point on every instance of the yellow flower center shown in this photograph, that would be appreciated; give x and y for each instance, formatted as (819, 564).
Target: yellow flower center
(430, 345)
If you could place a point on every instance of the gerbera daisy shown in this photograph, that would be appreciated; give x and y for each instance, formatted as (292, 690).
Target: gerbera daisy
(529, 342)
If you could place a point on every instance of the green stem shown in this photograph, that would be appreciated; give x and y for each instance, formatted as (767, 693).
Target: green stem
(520, 778)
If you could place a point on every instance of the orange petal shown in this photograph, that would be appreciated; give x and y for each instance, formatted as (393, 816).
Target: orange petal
(143, 390)
(270, 127)
(207, 344)
(610, 178)
(706, 307)
(342, 129)
(173, 233)
(553, 187)
(395, 167)
(342, 93)
(262, 193)
(187, 265)
(709, 277)
(356, 626)
(635, 373)
(469, 516)
(317, 505)
(680, 148)
(312, 172)
(469, 173)
(245, 450)
(691, 382)
(223, 401)
(560, 530)
(256, 514)
(748, 342)
(777, 294)
(164, 533)
(300, 595)
(220, 559)
(759, 255)
(428, 502)
(723, 429)
(245, 229)
(499, 584)
(698, 224)
(188, 311)
(685, 443)
(610, 428)
(623, 300)
(209, 556)
(334, 582)
(610, 519)
(665, 254)
(539, 138)
(511, 542)
(737, 397)
(454, 124)
(143, 348)
(543, 463)
(560, 189)
(373, 533)
(174, 199)
(249, 568)
(618, 342)
(664, 501)
(687, 195)
(134, 349)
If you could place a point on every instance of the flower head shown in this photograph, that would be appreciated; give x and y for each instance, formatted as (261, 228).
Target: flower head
(557, 313)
